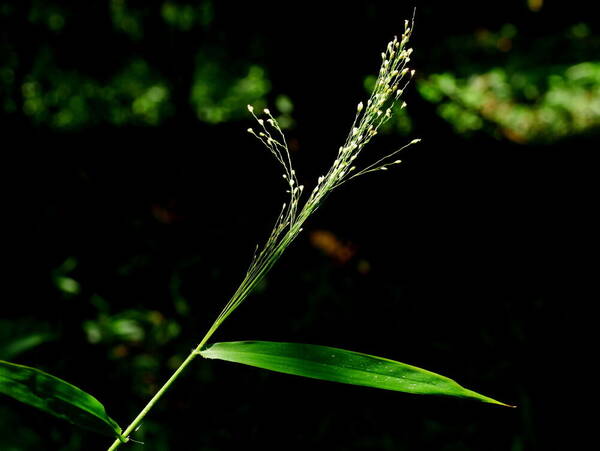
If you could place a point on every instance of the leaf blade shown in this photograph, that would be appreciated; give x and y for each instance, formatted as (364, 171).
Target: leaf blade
(339, 365)
(56, 397)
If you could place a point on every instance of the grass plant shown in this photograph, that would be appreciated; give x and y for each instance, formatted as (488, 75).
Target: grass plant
(66, 401)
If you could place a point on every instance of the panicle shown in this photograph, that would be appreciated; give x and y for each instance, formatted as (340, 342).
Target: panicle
(370, 115)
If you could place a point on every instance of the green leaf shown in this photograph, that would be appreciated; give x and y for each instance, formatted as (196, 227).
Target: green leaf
(57, 397)
(339, 365)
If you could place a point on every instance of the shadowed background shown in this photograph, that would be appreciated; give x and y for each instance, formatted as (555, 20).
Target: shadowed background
(139, 199)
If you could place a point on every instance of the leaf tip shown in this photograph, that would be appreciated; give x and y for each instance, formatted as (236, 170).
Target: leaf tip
(499, 403)
(474, 395)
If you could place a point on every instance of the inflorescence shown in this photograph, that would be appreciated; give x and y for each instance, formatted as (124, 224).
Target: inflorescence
(393, 78)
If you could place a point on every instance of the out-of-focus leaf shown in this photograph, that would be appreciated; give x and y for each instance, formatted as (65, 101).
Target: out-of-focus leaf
(339, 365)
(19, 345)
(57, 397)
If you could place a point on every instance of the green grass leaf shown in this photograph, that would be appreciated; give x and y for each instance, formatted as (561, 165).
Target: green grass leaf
(57, 397)
(339, 365)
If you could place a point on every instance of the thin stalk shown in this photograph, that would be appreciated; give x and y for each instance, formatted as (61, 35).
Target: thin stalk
(240, 297)
(222, 317)
(134, 424)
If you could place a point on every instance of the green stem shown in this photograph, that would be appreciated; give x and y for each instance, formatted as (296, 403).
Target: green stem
(244, 291)
(134, 424)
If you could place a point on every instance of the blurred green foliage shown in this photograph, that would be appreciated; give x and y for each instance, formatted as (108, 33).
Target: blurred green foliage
(220, 97)
(126, 19)
(68, 99)
(136, 93)
(131, 327)
(19, 336)
(185, 16)
(521, 106)
(526, 100)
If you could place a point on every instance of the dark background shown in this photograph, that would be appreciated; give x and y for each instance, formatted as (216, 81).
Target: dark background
(136, 198)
